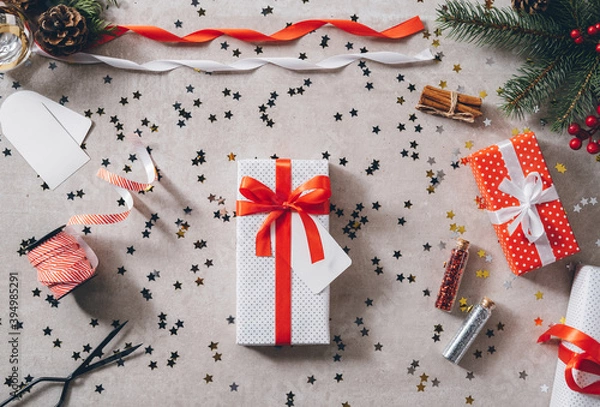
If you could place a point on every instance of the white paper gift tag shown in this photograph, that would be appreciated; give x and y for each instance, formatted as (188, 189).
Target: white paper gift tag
(46, 134)
(319, 275)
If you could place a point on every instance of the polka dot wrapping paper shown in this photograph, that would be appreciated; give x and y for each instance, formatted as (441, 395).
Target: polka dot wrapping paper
(583, 313)
(518, 161)
(255, 292)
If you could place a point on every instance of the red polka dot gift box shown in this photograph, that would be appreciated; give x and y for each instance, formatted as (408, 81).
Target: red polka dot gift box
(522, 203)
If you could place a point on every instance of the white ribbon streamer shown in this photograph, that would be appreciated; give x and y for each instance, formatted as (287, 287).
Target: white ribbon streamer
(529, 191)
(243, 65)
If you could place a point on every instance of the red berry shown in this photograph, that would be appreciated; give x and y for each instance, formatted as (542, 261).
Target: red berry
(598, 47)
(597, 26)
(598, 109)
(591, 121)
(574, 128)
(593, 147)
(575, 33)
(592, 30)
(579, 40)
(575, 143)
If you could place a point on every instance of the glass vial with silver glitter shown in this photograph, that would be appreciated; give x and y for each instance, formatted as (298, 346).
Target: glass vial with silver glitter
(455, 268)
(469, 330)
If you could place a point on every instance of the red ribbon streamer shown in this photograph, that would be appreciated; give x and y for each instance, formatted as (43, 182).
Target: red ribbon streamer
(587, 361)
(310, 198)
(289, 33)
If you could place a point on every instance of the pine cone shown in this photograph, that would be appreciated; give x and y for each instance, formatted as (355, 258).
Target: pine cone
(62, 31)
(23, 5)
(530, 6)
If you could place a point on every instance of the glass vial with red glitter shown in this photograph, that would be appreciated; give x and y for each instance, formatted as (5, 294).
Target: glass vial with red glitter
(455, 268)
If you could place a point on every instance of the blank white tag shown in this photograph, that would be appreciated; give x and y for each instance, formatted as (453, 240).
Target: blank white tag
(320, 274)
(46, 134)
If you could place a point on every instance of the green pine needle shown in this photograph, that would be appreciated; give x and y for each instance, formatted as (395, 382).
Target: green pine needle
(581, 94)
(562, 75)
(502, 27)
(523, 92)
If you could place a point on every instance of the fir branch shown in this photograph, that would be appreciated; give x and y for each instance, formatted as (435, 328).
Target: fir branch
(88, 8)
(579, 98)
(501, 27)
(523, 93)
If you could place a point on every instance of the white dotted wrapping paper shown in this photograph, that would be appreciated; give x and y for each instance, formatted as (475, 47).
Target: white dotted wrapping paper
(256, 275)
(583, 314)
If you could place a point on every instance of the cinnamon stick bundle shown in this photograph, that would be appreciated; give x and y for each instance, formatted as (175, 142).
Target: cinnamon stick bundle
(449, 104)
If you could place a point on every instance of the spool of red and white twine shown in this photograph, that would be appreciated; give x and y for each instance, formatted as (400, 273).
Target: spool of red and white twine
(63, 260)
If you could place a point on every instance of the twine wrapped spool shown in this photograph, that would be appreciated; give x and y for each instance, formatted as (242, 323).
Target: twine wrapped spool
(63, 261)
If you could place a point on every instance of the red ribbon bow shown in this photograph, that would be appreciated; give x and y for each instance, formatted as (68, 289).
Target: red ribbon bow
(587, 361)
(310, 198)
(263, 200)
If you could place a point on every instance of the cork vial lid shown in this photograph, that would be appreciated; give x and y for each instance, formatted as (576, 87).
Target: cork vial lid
(462, 244)
(487, 303)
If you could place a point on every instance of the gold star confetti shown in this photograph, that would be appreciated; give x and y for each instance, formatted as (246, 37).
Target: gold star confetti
(469, 400)
(430, 189)
(562, 320)
(466, 308)
(539, 295)
(438, 32)
(538, 321)
(400, 100)
(481, 253)
(461, 229)
(426, 34)
(462, 301)
(450, 214)
(560, 168)
(469, 144)
(180, 233)
(457, 68)
(443, 84)
(420, 387)
(424, 377)
(435, 43)
(231, 157)
(515, 131)
(483, 94)
(430, 174)
(453, 227)
(500, 91)
(346, 404)
(482, 273)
